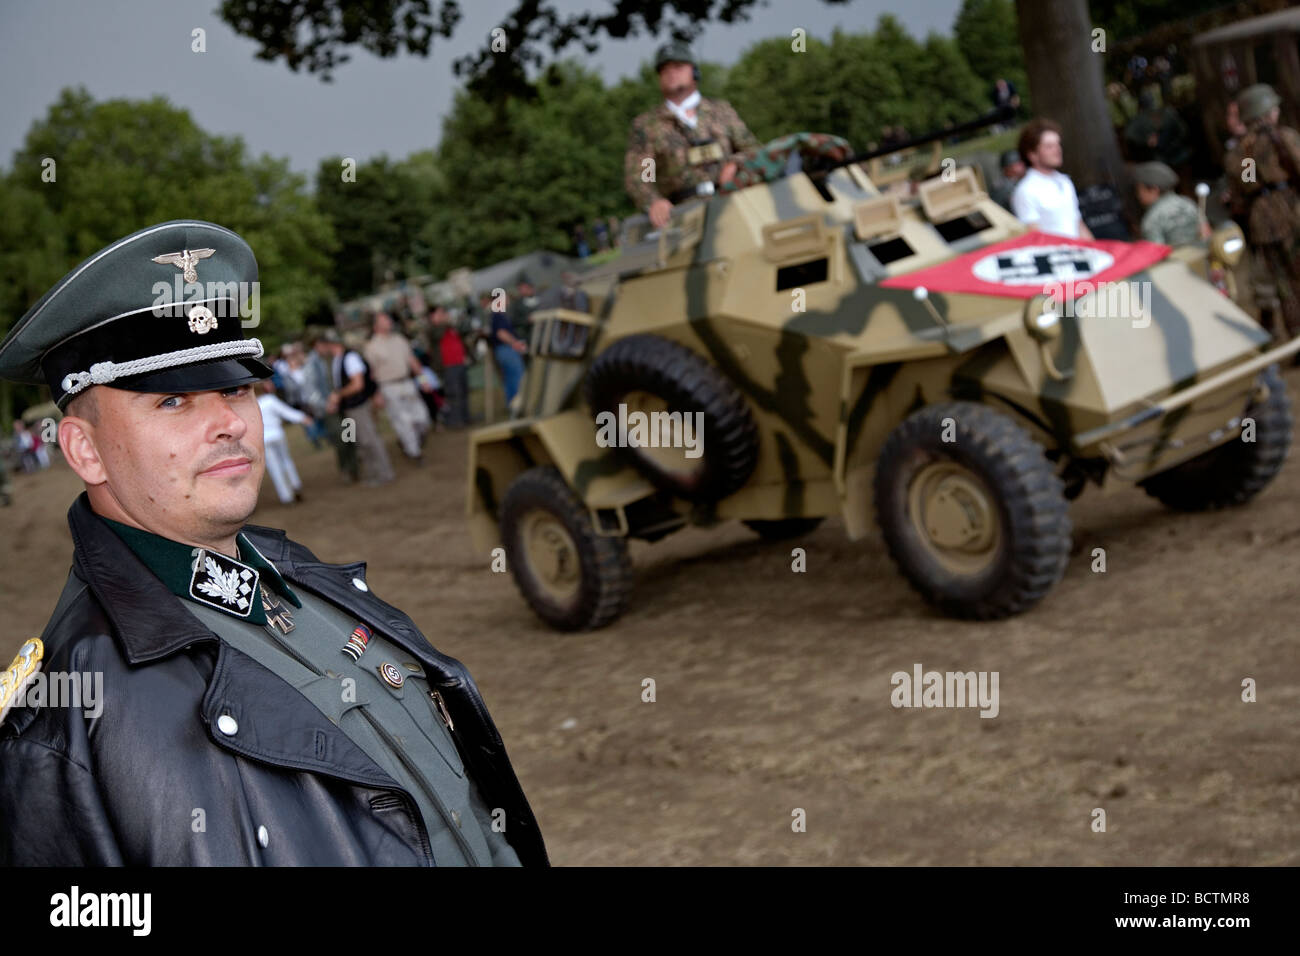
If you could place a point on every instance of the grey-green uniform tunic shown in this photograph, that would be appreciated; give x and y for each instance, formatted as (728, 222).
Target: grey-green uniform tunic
(1173, 220)
(400, 728)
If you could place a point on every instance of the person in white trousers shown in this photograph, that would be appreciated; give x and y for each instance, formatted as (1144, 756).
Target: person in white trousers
(279, 463)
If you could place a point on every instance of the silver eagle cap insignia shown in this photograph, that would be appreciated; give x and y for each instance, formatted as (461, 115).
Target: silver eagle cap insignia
(186, 259)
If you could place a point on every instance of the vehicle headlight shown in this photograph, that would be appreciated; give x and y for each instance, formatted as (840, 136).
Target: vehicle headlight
(1227, 244)
(1043, 318)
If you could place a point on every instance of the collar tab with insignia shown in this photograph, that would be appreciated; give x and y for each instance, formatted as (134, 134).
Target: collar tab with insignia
(222, 582)
(237, 587)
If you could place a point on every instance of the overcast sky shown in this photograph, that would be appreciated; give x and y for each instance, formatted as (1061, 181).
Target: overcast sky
(141, 48)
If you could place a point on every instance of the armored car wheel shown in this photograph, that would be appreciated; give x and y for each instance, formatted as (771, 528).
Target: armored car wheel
(649, 375)
(572, 577)
(783, 529)
(979, 524)
(1236, 471)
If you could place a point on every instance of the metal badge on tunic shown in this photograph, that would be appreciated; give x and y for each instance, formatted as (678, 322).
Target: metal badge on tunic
(277, 614)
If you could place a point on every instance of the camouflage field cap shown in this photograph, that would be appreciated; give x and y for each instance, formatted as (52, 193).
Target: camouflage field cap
(156, 311)
(1009, 158)
(675, 52)
(1155, 174)
(1255, 101)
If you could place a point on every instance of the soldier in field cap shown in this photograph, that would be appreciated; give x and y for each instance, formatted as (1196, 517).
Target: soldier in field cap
(695, 142)
(1169, 218)
(254, 705)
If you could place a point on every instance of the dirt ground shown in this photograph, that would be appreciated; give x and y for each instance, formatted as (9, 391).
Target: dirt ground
(1121, 690)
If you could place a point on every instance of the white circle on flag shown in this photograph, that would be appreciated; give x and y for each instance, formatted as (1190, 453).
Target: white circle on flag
(1036, 265)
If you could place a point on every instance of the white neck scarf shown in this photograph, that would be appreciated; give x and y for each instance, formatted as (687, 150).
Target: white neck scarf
(685, 110)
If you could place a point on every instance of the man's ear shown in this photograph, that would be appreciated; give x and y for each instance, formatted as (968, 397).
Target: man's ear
(77, 441)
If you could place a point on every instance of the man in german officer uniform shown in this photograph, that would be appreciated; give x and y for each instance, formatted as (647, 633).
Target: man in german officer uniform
(259, 707)
(1263, 174)
(687, 146)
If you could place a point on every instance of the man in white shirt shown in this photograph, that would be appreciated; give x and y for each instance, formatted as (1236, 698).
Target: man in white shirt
(278, 460)
(1045, 199)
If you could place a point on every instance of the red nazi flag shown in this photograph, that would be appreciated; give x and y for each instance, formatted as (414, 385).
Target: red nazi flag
(1036, 263)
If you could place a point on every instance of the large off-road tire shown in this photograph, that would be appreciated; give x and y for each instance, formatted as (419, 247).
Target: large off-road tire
(978, 525)
(649, 373)
(1236, 471)
(572, 577)
(782, 529)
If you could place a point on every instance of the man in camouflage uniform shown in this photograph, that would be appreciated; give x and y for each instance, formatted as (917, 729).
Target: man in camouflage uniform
(1169, 218)
(1264, 189)
(692, 143)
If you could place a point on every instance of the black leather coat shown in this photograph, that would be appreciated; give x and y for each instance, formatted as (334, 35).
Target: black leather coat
(152, 780)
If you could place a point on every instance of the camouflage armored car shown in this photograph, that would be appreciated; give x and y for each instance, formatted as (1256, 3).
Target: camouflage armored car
(816, 347)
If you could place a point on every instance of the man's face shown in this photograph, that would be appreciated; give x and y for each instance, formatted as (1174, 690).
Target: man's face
(1014, 170)
(1147, 194)
(1049, 150)
(1235, 126)
(383, 324)
(185, 466)
(676, 80)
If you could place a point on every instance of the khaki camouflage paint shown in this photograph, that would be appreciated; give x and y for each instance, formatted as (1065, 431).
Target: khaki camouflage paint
(826, 385)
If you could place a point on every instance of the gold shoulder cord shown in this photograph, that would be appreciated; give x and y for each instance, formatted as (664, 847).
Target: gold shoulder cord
(19, 674)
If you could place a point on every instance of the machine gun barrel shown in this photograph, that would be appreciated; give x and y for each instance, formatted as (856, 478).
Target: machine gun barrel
(988, 119)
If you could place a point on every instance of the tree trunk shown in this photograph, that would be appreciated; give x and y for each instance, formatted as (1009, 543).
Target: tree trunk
(1065, 79)
(6, 410)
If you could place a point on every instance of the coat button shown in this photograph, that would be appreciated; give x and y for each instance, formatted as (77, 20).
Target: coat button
(227, 725)
(263, 837)
(359, 584)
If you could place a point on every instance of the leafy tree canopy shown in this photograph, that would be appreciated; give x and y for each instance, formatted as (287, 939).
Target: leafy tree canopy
(986, 33)
(315, 34)
(121, 165)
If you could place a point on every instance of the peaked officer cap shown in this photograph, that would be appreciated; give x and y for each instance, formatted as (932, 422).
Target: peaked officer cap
(156, 311)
